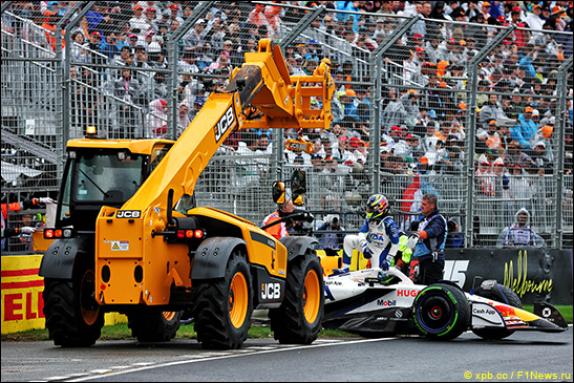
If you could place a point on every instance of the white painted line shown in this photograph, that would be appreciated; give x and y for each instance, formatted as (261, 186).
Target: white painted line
(101, 371)
(232, 356)
(190, 356)
(77, 375)
(329, 341)
(211, 354)
(120, 367)
(142, 364)
(261, 347)
(56, 378)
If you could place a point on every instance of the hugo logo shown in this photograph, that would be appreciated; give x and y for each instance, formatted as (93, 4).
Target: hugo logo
(407, 293)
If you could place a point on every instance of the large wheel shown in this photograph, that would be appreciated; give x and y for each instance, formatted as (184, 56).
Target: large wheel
(73, 317)
(441, 311)
(151, 325)
(298, 319)
(222, 307)
(497, 292)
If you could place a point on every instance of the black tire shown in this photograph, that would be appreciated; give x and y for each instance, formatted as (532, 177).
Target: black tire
(152, 325)
(441, 312)
(212, 304)
(497, 292)
(288, 322)
(73, 317)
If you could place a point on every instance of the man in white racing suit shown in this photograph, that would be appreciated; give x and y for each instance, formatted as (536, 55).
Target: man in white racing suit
(378, 237)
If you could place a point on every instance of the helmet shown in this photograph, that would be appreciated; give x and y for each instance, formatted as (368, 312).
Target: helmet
(377, 206)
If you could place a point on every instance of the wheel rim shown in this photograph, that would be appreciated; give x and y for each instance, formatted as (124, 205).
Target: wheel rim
(435, 313)
(89, 308)
(311, 296)
(168, 315)
(238, 300)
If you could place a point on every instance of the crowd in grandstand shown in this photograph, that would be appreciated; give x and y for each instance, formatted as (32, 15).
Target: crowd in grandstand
(424, 109)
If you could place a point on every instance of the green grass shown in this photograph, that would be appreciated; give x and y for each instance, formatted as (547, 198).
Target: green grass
(121, 332)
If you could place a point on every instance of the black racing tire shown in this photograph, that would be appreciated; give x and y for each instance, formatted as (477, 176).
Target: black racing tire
(217, 323)
(298, 319)
(497, 292)
(73, 317)
(441, 312)
(152, 325)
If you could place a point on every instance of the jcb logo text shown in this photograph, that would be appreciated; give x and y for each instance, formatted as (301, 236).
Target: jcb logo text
(270, 291)
(128, 214)
(224, 124)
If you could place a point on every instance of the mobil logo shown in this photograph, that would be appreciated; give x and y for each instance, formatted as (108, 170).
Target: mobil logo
(386, 303)
(407, 293)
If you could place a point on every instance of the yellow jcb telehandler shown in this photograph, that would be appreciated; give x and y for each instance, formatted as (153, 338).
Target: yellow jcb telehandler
(130, 239)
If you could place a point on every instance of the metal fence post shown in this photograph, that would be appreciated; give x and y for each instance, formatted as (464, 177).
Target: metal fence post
(5, 6)
(63, 58)
(375, 63)
(471, 127)
(66, 82)
(173, 55)
(300, 27)
(560, 124)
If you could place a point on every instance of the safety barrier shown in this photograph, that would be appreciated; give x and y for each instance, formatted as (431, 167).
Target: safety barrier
(394, 75)
(533, 274)
(22, 303)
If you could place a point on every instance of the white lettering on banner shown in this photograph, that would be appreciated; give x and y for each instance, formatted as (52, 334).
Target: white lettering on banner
(455, 271)
(270, 290)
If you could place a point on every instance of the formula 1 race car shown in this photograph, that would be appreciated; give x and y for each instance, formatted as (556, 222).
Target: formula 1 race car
(374, 303)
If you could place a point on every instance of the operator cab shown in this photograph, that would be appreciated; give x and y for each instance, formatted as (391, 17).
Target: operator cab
(103, 174)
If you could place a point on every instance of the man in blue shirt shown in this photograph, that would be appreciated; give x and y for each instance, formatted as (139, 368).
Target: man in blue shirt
(526, 129)
(427, 263)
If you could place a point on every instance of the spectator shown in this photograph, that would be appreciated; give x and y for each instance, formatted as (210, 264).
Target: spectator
(196, 37)
(156, 57)
(541, 158)
(492, 111)
(485, 177)
(526, 129)
(183, 117)
(128, 89)
(138, 21)
(125, 58)
(157, 119)
(331, 242)
(520, 234)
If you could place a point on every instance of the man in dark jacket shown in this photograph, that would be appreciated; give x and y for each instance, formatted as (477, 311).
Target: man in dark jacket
(427, 264)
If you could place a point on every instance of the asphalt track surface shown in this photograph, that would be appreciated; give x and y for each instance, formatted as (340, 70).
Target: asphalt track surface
(524, 357)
